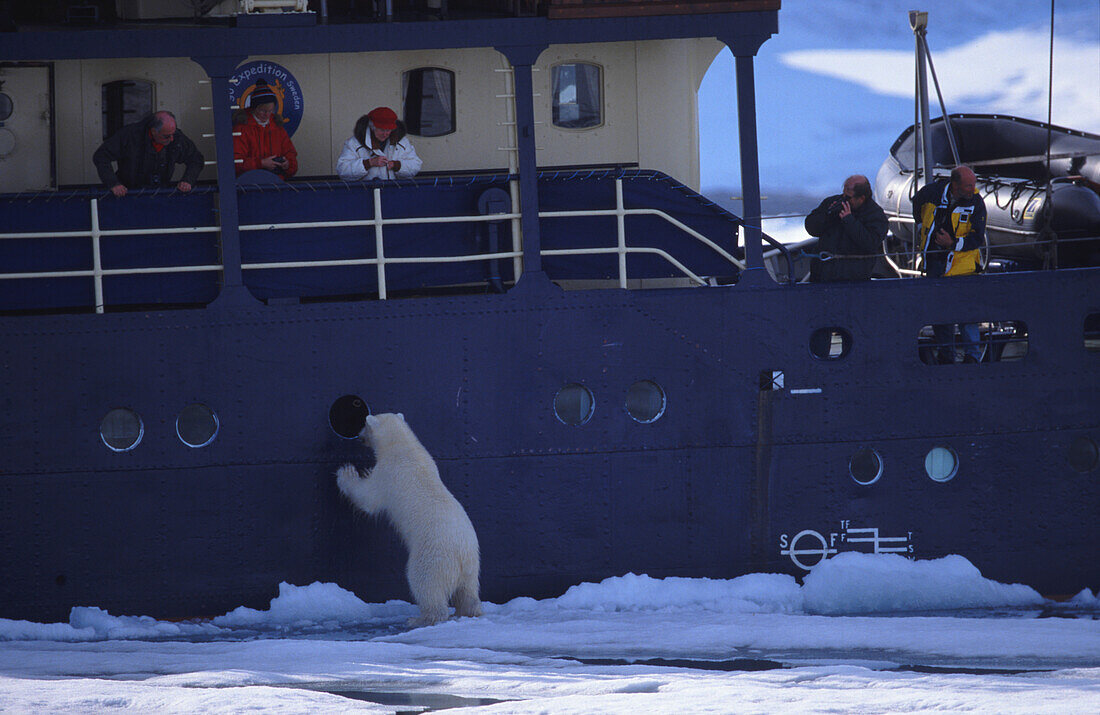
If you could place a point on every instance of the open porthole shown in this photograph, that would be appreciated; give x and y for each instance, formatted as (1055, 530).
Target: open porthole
(347, 416)
(865, 466)
(941, 464)
(574, 404)
(197, 425)
(1092, 332)
(830, 343)
(121, 429)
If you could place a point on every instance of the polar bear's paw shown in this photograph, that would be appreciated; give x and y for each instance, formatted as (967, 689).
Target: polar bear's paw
(346, 477)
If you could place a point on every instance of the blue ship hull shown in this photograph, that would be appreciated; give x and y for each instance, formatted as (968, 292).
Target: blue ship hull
(728, 476)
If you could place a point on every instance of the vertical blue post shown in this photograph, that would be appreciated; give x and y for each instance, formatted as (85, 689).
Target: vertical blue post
(750, 165)
(521, 59)
(220, 69)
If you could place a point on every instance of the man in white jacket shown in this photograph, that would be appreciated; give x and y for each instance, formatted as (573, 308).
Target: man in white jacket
(379, 149)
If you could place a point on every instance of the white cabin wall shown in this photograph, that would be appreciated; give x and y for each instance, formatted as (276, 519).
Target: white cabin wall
(669, 75)
(613, 142)
(649, 106)
(79, 108)
(367, 80)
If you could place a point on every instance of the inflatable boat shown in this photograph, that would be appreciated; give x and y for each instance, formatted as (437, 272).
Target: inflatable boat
(1043, 211)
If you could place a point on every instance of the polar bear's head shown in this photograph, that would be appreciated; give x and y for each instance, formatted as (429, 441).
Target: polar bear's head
(386, 429)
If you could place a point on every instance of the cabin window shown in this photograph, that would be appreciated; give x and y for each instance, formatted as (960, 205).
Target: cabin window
(574, 404)
(121, 429)
(1092, 332)
(830, 343)
(347, 416)
(197, 425)
(962, 343)
(576, 88)
(865, 466)
(429, 101)
(1083, 455)
(125, 101)
(941, 464)
(645, 401)
(6, 106)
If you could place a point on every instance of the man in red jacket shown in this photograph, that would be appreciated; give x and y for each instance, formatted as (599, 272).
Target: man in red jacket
(263, 143)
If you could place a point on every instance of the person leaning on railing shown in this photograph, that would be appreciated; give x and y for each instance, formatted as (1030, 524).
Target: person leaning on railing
(146, 153)
(378, 149)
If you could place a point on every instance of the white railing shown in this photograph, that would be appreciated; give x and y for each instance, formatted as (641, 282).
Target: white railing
(378, 223)
(98, 272)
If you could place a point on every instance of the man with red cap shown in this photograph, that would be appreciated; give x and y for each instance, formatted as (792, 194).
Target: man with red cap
(379, 149)
(262, 142)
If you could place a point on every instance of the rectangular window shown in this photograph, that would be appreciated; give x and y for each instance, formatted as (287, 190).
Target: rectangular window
(576, 88)
(429, 101)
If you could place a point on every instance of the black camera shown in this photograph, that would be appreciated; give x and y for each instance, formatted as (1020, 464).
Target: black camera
(835, 207)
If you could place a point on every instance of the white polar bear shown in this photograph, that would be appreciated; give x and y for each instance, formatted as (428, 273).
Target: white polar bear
(444, 561)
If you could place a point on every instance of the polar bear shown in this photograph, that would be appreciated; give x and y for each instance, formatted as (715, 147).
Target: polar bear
(404, 485)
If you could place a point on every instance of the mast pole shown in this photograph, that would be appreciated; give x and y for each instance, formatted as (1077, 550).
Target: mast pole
(919, 22)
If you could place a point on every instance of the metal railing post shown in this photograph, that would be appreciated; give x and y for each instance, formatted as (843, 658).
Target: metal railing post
(379, 252)
(97, 266)
(620, 226)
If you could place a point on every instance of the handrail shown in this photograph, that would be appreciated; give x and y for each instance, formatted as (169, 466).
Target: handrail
(378, 222)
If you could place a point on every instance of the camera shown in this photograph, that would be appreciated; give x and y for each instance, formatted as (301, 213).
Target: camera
(835, 207)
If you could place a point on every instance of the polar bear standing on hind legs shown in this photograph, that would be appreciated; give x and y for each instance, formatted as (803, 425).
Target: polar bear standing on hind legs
(444, 562)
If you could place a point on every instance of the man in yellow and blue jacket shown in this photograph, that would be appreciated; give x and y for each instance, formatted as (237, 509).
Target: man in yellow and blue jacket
(950, 229)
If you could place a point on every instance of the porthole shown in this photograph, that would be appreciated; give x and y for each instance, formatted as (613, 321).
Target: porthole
(347, 416)
(645, 401)
(1083, 455)
(941, 464)
(1092, 332)
(197, 425)
(121, 429)
(830, 343)
(574, 404)
(865, 466)
(6, 106)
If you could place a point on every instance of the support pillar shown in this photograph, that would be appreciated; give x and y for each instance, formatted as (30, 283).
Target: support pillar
(220, 69)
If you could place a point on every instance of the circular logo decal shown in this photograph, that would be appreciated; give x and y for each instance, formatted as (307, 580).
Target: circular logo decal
(288, 93)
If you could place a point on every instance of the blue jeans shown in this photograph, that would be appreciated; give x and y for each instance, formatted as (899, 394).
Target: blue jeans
(945, 341)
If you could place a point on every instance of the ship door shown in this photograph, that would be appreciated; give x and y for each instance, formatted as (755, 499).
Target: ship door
(26, 136)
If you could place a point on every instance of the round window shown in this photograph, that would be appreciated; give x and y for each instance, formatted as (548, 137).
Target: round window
(830, 343)
(347, 416)
(6, 106)
(941, 464)
(197, 425)
(121, 429)
(865, 466)
(574, 404)
(1083, 456)
(645, 401)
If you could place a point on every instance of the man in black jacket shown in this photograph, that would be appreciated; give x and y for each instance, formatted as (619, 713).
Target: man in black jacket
(147, 153)
(850, 228)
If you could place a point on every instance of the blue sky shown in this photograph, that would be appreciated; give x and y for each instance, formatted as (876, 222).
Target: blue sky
(834, 87)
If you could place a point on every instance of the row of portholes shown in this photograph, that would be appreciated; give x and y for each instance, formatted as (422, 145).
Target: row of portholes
(941, 463)
(1004, 341)
(122, 428)
(574, 404)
